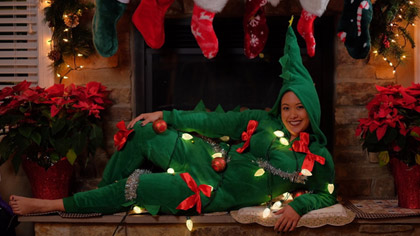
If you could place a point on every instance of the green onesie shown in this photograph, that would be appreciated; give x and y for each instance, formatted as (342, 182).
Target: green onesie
(123, 184)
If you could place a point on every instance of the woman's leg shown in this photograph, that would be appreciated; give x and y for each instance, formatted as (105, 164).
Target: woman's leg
(24, 205)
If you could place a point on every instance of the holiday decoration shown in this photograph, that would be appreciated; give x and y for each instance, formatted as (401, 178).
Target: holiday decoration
(120, 138)
(354, 27)
(315, 7)
(305, 28)
(194, 199)
(246, 135)
(104, 26)
(218, 164)
(71, 36)
(255, 28)
(159, 126)
(407, 183)
(389, 29)
(310, 158)
(149, 20)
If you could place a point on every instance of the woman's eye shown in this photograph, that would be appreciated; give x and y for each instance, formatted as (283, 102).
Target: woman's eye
(300, 107)
(285, 108)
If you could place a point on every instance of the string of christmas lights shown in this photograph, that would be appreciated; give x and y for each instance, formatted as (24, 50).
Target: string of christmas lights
(71, 36)
(389, 29)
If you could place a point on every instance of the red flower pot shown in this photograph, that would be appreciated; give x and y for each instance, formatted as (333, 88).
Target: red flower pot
(407, 183)
(53, 183)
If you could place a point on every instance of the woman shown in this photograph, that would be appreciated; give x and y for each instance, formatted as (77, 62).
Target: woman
(297, 161)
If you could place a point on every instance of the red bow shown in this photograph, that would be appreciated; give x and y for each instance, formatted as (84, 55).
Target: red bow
(190, 201)
(310, 158)
(120, 138)
(246, 136)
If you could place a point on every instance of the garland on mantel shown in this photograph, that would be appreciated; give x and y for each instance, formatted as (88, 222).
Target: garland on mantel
(71, 34)
(389, 29)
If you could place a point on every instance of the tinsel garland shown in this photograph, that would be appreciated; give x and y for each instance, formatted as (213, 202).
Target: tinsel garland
(71, 33)
(293, 177)
(389, 29)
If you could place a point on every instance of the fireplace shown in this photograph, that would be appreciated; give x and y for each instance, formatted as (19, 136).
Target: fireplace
(179, 76)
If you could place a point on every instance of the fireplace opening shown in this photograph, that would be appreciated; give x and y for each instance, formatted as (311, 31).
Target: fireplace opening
(178, 76)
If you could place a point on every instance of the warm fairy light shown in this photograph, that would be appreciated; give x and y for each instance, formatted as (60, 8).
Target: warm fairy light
(170, 171)
(397, 35)
(225, 138)
(49, 41)
(66, 40)
(376, 52)
(279, 133)
(392, 40)
(80, 55)
(287, 196)
(81, 67)
(393, 72)
(186, 136)
(276, 206)
(67, 66)
(384, 58)
(413, 24)
(66, 29)
(400, 16)
(330, 188)
(189, 224)
(65, 16)
(411, 2)
(284, 141)
(137, 209)
(58, 75)
(390, 63)
(403, 56)
(259, 172)
(306, 172)
(65, 77)
(266, 212)
(217, 154)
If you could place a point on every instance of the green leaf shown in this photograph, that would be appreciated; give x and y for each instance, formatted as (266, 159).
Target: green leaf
(71, 156)
(390, 135)
(383, 158)
(96, 136)
(57, 126)
(25, 131)
(36, 137)
(79, 141)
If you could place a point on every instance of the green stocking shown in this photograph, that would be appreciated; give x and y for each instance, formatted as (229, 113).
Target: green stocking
(104, 26)
(353, 28)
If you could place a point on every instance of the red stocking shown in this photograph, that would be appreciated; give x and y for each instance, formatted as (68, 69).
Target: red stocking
(149, 20)
(255, 27)
(305, 28)
(202, 29)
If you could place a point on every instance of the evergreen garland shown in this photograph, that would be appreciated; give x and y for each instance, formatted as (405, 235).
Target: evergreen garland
(71, 33)
(388, 29)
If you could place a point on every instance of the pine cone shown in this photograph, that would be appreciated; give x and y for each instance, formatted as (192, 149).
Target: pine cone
(54, 55)
(71, 20)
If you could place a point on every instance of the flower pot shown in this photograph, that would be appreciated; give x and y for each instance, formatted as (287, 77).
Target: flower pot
(407, 183)
(53, 183)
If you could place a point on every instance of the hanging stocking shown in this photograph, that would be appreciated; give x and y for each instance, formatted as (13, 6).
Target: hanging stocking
(315, 7)
(353, 27)
(149, 20)
(305, 28)
(255, 27)
(104, 26)
(202, 25)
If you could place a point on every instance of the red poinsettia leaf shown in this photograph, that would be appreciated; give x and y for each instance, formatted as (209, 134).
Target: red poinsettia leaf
(380, 131)
(57, 90)
(54, 110)
(21, 86)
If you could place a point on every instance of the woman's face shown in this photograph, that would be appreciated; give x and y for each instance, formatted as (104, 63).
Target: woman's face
(293, 114)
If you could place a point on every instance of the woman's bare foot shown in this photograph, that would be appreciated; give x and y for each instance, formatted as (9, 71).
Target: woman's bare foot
(23, 205)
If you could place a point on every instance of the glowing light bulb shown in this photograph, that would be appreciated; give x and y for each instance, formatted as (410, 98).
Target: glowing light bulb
(225, 138)
(403, 56)
(66, 30)
(330, 188)
(66, 40)
(80, 55)
(137, 209)
(393, 72)
(58, 75)
(306, 172)
(259, 172)
(217, 154)
(376, 52)
(81, 67)
(186, 136)
(189, 224)
(390, 63)
(49, 41)
(65, 77)
(266, 212)
(279, 133)
(67, 66)
(170, 171)
(384, 58)
(287, 196)
(276, 206)
(284, 141)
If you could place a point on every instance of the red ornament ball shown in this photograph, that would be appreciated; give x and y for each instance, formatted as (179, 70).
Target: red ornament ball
(159, 126)
(218, 164)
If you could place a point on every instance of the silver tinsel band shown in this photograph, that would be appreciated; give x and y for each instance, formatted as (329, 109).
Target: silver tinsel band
(293, 177)
(132, 183)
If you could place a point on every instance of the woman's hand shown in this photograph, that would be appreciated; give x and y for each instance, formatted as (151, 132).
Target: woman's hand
(288, 220)
(146, 117)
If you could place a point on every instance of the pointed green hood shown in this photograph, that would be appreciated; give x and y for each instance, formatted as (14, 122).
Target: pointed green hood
(297, 79)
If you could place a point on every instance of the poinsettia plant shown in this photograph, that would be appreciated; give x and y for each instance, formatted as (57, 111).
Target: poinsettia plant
(45, 125)
(392, 127)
